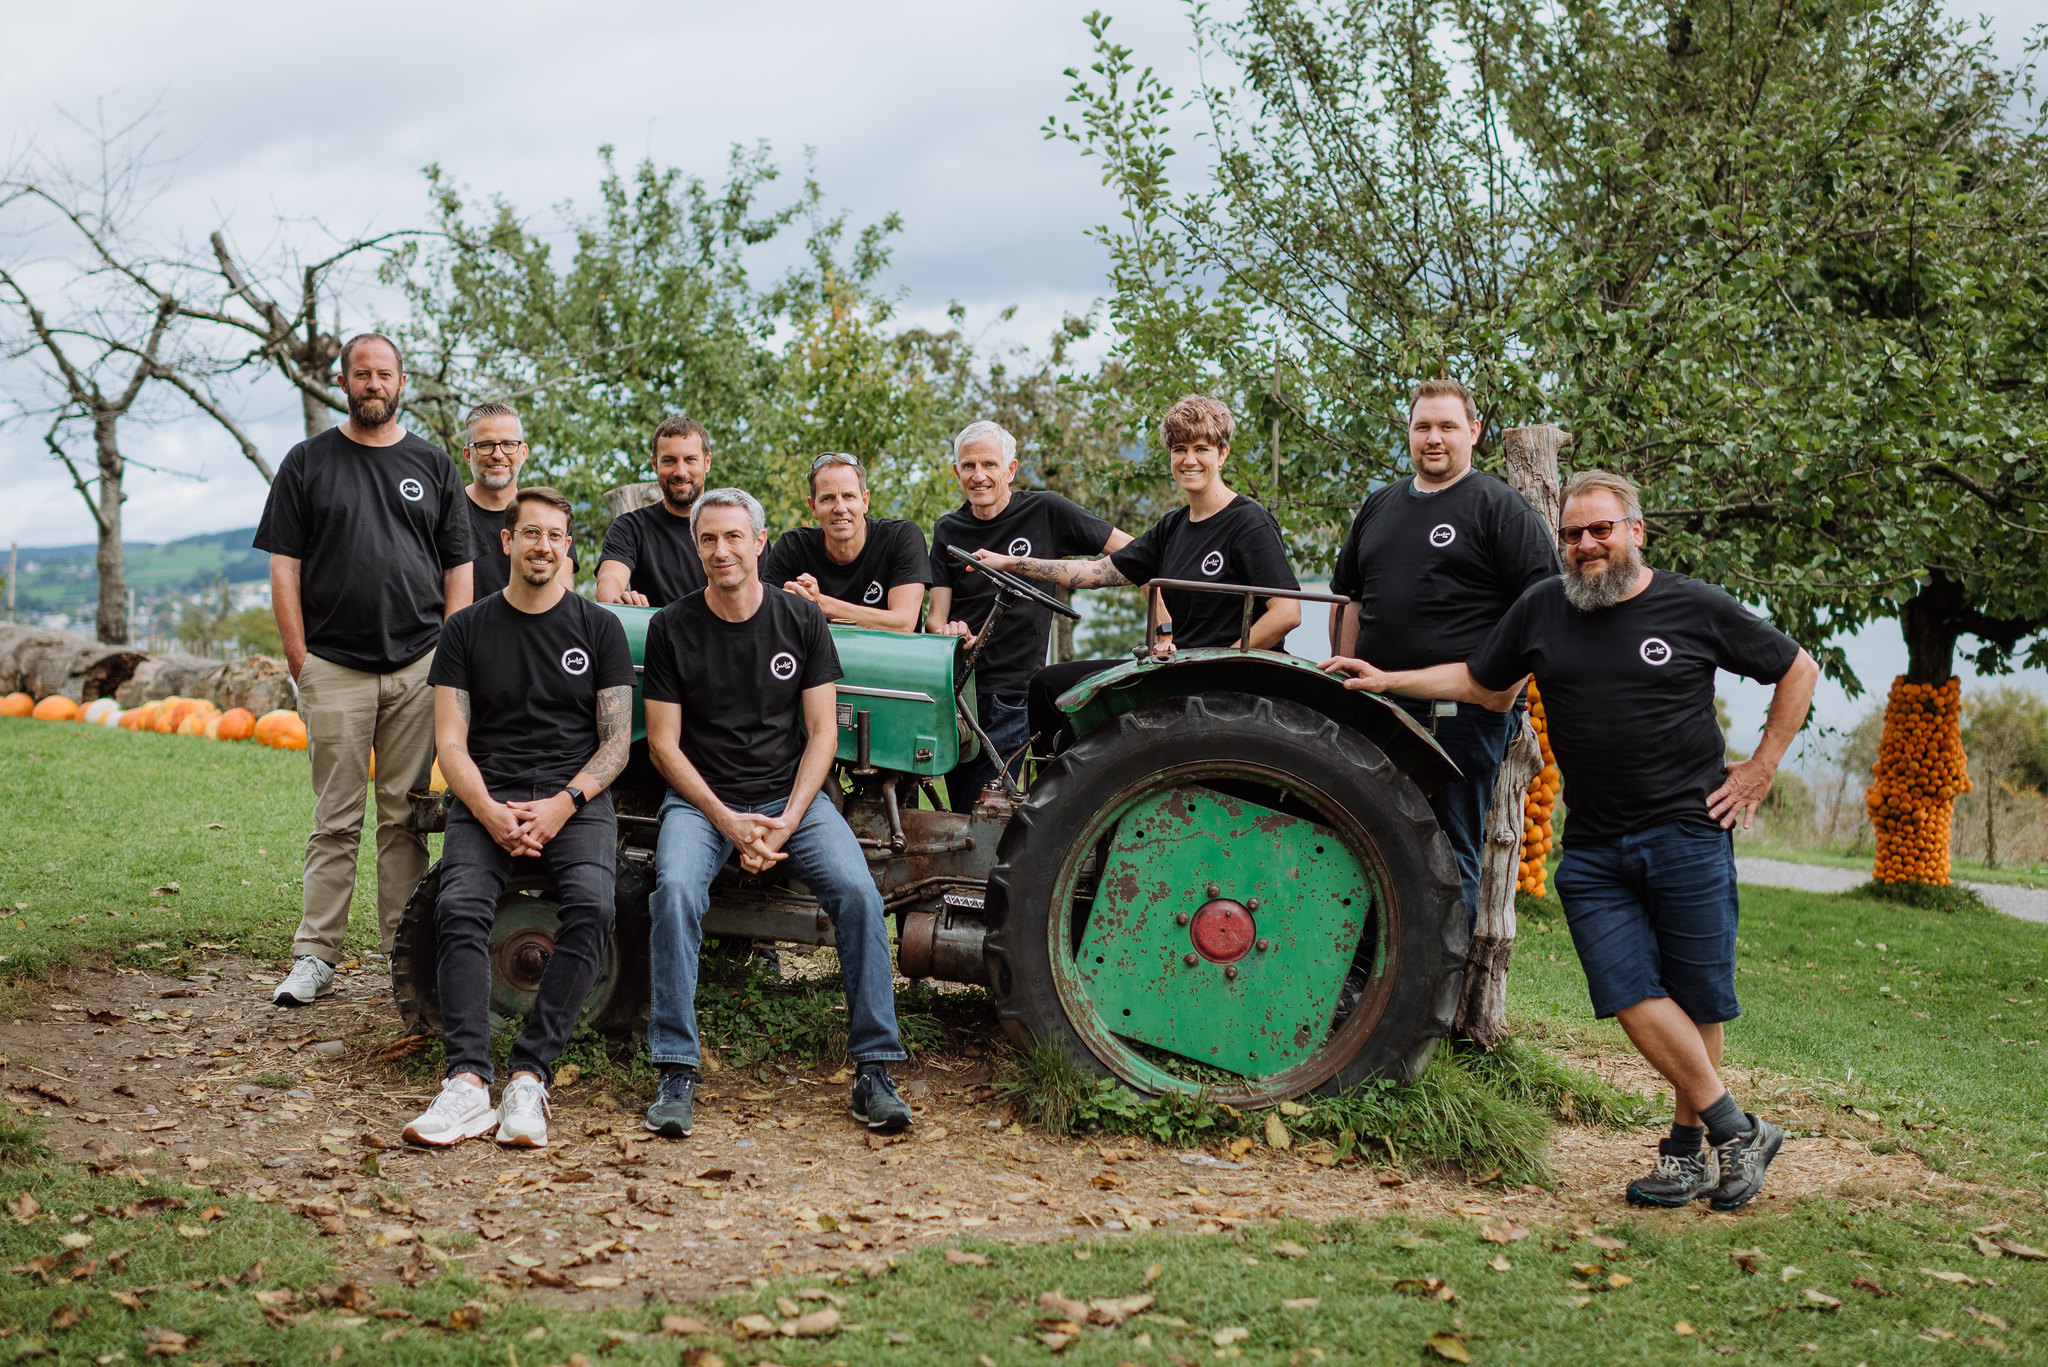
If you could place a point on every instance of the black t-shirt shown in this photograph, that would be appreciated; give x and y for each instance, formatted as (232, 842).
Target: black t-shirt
(493, 568)
(741, 688)
(892, 554)
(1239, 545)
(374, 528)
(1629, 693)
(533, 680)
(655, 545)
(1434, 572)
(1035, 522)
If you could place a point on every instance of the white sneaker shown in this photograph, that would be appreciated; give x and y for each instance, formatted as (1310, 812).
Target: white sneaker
(462, 1111)
(310, 977)
(523, 1114)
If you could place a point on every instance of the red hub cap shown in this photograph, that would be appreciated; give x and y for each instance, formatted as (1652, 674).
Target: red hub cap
(1223, 931)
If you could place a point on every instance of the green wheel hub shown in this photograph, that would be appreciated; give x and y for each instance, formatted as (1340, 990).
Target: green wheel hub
(522, 942)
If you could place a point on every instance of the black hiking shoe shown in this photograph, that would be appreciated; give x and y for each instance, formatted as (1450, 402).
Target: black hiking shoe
(673, 1111)
(1677, 1180)
(1743, 1161)
(875, 1103)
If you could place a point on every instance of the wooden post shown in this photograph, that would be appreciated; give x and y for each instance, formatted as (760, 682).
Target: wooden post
(1530, 454)
(13, 559)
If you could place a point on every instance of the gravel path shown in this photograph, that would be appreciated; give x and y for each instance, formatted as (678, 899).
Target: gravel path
(2029, 904)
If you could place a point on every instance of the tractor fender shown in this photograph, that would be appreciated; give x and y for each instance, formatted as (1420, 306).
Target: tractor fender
(1101, 698)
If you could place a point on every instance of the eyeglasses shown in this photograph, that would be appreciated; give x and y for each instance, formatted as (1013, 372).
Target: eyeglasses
(834, 458)
(533, 536)
(1569, 536)
(485, 448)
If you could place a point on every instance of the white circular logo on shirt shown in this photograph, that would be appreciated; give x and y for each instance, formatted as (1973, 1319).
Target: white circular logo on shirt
(874, 593)
(413, 490)
(1021, 546)
(1212, 563)
(1442, 534)
(1654, 651)
(575, 661)
(783, 666)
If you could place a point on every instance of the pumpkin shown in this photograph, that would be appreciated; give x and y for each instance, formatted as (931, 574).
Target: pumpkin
(237, 723)
(290, 733)
(17, 705)
(113, 717)
(212, 728)
(193, 725)
(142, 718)
(169, 713)
(96, 710)
(56, 707)
(1538, 805)
(437, 781)
(1919, 775)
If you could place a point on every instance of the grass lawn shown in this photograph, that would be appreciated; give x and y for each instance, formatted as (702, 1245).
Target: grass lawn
(98, 818)
(1962, 870)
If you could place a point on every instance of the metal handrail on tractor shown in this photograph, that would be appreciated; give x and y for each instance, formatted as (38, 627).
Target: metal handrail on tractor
(1251, 593)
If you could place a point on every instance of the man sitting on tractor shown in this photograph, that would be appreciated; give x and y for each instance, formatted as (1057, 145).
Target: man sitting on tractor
(742, 722)
(866, 571)
(533, 714)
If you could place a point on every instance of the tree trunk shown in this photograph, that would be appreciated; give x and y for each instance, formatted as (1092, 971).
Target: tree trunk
(113, 609)
(1931, 622)
(42, 663)
(1531, 457)
(319, 417)
(1918, 777)
(1991, 785)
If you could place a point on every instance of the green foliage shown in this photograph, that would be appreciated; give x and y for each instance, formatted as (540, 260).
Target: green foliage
(1520, 1071)
(21, 1142)
(1455, 1114)
(1925, 896)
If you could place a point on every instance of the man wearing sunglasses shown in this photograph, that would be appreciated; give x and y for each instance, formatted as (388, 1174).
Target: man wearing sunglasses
(533, 714)
(1432, 563)
(865, 571)
(1625, 656)
(648, 558)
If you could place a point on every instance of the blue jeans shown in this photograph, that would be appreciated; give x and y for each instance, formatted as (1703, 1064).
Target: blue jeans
(1476, 741)
(824, 853)
(1008, 723)
(1653, 914)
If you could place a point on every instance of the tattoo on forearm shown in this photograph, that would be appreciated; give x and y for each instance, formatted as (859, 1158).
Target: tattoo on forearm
(1092, 574)
(614, 734)
(462, 703)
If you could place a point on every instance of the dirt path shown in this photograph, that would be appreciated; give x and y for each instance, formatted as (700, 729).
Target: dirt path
(2029, 904)
(191, 1073)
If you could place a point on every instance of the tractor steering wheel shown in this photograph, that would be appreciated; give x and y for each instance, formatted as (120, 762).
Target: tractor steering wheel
(1015, 584)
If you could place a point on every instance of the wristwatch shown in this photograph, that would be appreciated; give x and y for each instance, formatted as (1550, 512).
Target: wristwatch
(576, 796)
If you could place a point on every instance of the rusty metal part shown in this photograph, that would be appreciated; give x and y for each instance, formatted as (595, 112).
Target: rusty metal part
(1222, 930)
(897, 842)
(429, 812)
(940, 944)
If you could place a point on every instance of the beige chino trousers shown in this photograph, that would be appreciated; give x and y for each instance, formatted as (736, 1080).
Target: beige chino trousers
(347, 712)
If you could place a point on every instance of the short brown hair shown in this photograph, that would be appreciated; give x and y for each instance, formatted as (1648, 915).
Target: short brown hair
(1197, 417)
(1443, 388)
(361, 337)
(541, 493)
(1593, 481)
(676, 425)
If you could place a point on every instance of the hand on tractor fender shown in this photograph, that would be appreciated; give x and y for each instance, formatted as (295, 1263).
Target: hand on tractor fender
(1747, 784)
(632, 599)
(960, 629)
(541, 821)
(1362, 675)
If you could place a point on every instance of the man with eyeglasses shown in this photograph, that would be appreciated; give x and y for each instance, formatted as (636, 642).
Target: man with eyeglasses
(369, 552)
(865, 571)
(533, 713)
(648, 559)
(1434, 560)
(496, 451)
(1625, 656)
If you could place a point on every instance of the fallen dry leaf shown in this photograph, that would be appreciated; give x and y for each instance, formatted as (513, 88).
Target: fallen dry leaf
(814, 1325)
(23, 1207)
(1062, 1306)
(1985, 1317)
(2020, 1250)
(1287, 1248)
(1683, 1329)
(960, 1259)
(1952, 1278)
(1224, 1337)
(1499, 1263)
(599, 1283)
(754, 1326)
(1152, 1272)
(1276, 1132)
(1507, 1232)
(1821, 1299)
(1449, 1347)
(1865, 1284)
(1302, 1303)
(1603, 1241)
(683, 1324)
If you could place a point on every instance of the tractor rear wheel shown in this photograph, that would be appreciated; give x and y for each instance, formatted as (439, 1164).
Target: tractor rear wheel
(1229, 894)
(522, 940)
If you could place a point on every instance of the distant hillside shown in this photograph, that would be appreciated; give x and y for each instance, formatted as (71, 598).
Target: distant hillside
(64, 578)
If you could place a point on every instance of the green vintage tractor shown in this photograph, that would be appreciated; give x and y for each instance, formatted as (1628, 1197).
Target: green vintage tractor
(1230, 882)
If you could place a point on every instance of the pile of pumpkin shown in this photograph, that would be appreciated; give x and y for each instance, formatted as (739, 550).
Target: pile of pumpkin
(1919, 775)
(170, 716)
(1538, 804)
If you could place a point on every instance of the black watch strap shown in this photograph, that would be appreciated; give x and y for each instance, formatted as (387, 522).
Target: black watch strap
(576, 796)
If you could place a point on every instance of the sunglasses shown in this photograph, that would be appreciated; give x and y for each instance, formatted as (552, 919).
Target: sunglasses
(834, 458)
(1569, 536)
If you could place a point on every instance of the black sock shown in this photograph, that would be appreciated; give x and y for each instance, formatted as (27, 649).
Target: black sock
(686, 1069)
(1685, 1139)
(1724, 1120)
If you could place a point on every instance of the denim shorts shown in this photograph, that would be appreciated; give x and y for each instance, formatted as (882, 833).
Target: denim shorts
(1653, 914)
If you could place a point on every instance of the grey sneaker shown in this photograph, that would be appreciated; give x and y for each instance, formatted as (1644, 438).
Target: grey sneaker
(673, 1111)
(1676, 1180)
(523, 1114)
(311, 977)
(875, 1102)
(1743, 1161)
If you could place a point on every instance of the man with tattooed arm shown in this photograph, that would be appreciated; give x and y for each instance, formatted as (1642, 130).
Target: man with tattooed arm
(533, 715)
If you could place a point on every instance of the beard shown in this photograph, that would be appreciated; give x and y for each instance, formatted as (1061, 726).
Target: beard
(368, 412)
(539, 575)
(1591, 593)
(494, 480)
(680, 494)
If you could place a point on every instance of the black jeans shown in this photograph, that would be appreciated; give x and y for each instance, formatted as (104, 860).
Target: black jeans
(1476, 741)
(474, 869)
(1054, 728)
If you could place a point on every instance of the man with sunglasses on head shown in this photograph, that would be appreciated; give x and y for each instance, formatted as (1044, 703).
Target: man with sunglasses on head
(864, 571)
(1625, 656)
(1434, 560)
(533, 714)
(648, 559)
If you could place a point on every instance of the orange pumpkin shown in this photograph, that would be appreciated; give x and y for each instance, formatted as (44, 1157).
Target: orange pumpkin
(265, 730)
(56, 707)
(212, 728)
(438, 782)
(290, 733)
(142, 718)
(237, 723)
(169, 713)
(17, 705)
(193, 725)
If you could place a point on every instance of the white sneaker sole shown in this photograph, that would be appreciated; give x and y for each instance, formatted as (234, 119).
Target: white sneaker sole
(518, 1139)
(284, 998)
(444, 1139)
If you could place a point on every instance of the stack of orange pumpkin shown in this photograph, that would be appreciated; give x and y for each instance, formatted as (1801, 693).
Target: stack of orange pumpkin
(1538, 805)
(1919, 775)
